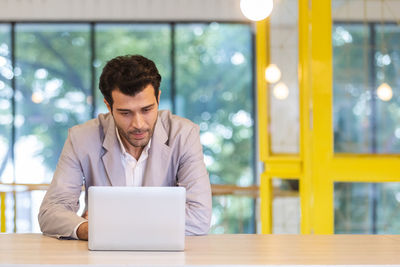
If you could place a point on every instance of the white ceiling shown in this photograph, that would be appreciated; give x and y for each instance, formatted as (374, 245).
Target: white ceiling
(121, 10)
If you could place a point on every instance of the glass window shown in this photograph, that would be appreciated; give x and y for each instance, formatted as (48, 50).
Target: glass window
(366, 115)
(351, 91)
(150, 40)
(284, 89)
(367, 208)
(232, 214)
(6, 94)
(285, 206)
(214, 89)
(53, 69)
(387, 62)
(52, 94)
(366, 109)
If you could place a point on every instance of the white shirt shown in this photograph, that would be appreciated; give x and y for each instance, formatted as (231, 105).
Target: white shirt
(134, 169)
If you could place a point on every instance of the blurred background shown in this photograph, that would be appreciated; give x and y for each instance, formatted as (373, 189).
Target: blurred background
(210, 58)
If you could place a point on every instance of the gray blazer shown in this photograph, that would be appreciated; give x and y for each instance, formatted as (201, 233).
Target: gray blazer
(92, 156)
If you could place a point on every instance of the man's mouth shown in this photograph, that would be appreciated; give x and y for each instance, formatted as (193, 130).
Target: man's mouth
(138, 135)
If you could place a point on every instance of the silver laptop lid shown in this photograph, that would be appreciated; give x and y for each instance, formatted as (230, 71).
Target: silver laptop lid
(136, 218)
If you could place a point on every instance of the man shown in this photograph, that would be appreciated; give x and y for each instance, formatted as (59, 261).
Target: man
(132, 145)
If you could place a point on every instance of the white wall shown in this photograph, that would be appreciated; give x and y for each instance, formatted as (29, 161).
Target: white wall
(370, 10)
(133, 10)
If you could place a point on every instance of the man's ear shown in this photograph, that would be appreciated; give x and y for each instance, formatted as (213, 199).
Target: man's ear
(158, 98)
(108, 105)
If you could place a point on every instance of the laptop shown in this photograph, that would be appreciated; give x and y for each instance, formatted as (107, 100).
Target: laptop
(136, 218)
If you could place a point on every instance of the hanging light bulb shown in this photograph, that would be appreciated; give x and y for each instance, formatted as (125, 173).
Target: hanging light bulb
(281, 91)
(272, 73)
(256, 9)
(384, 92)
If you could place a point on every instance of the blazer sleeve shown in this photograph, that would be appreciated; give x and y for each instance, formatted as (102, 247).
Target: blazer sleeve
(57, 214)
(192, 174)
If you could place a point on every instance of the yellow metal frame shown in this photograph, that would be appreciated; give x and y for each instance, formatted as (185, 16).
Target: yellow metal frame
(262, 40)
(2, 212)
(316, 166)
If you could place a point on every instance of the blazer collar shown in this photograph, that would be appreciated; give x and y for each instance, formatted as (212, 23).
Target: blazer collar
(112, 157)
(159, 157)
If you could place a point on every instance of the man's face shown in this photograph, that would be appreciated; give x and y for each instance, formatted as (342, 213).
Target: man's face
(135, 116)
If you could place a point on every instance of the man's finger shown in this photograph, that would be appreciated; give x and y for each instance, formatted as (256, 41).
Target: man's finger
(86, 215)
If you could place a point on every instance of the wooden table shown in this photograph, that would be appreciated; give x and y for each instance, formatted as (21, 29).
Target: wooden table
(239, 250)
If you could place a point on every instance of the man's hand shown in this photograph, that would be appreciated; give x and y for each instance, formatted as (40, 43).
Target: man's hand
(82, 231)
(86, 215)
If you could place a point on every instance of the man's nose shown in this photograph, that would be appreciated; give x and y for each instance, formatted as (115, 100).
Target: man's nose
(137, 121)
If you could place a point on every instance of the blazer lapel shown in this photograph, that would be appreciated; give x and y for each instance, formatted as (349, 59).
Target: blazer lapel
(159, 157)
(112, 156)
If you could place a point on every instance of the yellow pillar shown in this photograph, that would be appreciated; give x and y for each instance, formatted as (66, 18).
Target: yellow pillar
(3, 212)
(262, 58)
(322, 125)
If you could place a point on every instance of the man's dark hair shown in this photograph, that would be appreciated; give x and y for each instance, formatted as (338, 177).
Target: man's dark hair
(130, 74)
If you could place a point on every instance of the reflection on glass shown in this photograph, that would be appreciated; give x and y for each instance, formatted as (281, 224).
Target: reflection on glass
(232, 215)
(52, 82)
(281, 91)
(387, 60)
(6, 169)
(367, 208)
(214, 89)
(149, 40)
(365, 57)
(272, 73)
(351, 92)
(284, 92)
(285, 206)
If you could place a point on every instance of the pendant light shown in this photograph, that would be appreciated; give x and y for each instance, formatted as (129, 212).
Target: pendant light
(281, 91)
(256, 10)
(272, 73)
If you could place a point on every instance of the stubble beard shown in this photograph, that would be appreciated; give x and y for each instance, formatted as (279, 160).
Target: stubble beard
(128, 136)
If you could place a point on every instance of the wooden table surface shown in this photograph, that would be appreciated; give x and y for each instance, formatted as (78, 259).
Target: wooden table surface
(238, 250)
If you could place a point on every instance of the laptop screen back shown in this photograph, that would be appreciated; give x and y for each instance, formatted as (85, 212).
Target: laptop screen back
(136, 218)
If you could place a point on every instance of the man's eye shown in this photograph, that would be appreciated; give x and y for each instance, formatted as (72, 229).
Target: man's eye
(124, 113)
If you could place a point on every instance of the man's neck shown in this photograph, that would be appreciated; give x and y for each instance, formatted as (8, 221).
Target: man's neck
(132, 150)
